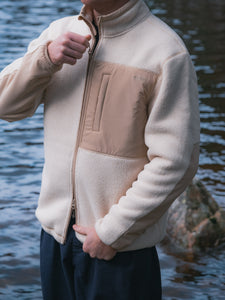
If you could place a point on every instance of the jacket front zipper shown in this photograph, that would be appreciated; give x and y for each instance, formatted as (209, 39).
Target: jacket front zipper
(89, 73)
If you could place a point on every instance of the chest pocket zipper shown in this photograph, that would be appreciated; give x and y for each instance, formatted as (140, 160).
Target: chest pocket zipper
(100, 102)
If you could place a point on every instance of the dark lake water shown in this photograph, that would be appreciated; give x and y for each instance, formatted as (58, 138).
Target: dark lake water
(201, 24)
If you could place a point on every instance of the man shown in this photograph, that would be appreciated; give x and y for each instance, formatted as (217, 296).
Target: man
(121, 143)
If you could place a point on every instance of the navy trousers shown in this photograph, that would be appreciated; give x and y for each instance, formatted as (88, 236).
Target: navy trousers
(67, 273)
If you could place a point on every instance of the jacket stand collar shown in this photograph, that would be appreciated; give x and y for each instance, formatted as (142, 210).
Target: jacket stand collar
(118, 21)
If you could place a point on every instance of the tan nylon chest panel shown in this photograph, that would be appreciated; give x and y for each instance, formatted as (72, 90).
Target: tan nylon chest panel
(117, 110)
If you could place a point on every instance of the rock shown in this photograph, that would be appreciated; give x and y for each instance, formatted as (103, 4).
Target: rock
(195, 221)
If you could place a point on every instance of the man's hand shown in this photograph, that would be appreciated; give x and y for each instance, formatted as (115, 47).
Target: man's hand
(67, 48)
(93, 245)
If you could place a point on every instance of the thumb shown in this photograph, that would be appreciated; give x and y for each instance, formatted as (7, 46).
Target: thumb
(88, 37)
(80, 229)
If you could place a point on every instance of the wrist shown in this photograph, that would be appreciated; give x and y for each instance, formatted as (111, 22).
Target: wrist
(50, 55)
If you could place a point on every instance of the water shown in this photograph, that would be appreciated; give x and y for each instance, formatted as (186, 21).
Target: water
(202, 25)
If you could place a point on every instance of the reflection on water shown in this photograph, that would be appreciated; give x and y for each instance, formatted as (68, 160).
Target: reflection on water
(202, 25)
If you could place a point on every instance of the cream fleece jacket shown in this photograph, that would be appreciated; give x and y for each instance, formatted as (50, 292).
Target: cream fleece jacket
(121, 127)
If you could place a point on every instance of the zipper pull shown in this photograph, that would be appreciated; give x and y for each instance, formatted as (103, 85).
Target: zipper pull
(73, 209)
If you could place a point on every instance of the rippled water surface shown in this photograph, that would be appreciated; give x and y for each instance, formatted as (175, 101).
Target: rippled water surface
(202, 25)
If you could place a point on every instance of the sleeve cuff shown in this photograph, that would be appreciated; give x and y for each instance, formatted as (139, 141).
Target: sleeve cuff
(112, 234)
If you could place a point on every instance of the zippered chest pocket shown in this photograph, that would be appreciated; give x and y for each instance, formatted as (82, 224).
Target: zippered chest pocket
(118, 99)
(100, 102)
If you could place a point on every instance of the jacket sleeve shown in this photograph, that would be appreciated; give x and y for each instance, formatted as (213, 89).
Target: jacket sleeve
(23, 82)
(172, 137)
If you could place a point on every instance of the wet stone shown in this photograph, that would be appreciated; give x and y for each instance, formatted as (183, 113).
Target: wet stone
(195, 221)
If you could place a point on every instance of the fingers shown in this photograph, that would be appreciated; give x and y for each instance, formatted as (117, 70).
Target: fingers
(68, 48)
(100, 252)
(93, 245)
(88, 37)
(79, 48)
(104, 255)
(77, 38)
(81, 229)
(72, 53)
(107, 256)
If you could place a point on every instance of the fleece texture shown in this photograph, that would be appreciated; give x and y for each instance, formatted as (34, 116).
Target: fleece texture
(121, 127)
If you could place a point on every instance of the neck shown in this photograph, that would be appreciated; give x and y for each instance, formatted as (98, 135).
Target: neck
(108, 8)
